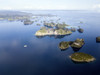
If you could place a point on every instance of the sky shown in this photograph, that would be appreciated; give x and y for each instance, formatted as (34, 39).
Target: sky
(49, 4)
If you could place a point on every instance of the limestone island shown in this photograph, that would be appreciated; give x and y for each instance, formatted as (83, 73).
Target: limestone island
(28, 22)
(78, 43)
(64, 45)
(80, 30)
(51, 31)
(81, 57)
(49, 24)
(57, 25)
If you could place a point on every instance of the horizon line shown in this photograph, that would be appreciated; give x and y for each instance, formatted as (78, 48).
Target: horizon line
(44, 10)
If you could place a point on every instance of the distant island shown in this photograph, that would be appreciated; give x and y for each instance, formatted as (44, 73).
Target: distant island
(14, 15)
(26, 18)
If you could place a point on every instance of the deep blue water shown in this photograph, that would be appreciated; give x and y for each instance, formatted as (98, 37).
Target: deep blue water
(42, 55)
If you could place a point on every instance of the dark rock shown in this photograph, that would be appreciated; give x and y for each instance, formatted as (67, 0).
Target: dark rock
(80, 30)
(98, 39)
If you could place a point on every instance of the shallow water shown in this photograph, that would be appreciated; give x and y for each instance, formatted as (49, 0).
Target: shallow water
(42, 55)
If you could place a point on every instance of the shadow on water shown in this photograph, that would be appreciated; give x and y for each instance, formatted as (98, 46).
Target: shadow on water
(97, 41)
(40, 37)
(55, 36)
(48, 26)
(27, 24)
(64, 49)
(76, 49)
(78, 62)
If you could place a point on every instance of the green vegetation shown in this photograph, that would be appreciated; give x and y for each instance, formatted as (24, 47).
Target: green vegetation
(43, 31)
(62, 32)
(61, 26)
(49, 24)
(82, 57)
(64, 45)
(78, 43)
(28, 22)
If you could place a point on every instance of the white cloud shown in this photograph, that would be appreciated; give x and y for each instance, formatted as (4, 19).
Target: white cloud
(97, 6)
(6, 8)
(43, 7)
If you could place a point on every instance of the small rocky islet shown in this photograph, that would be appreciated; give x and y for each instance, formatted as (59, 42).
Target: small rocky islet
(98, 39)
(80, 30)
(77, 56)
(81, 57)
(28, 22)
(64, 45)
(78, 43)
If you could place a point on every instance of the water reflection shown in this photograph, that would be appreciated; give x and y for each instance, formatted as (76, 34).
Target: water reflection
(79, 62)
(55, 36)
(64, 49)
(76, 49)
(97, 42)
